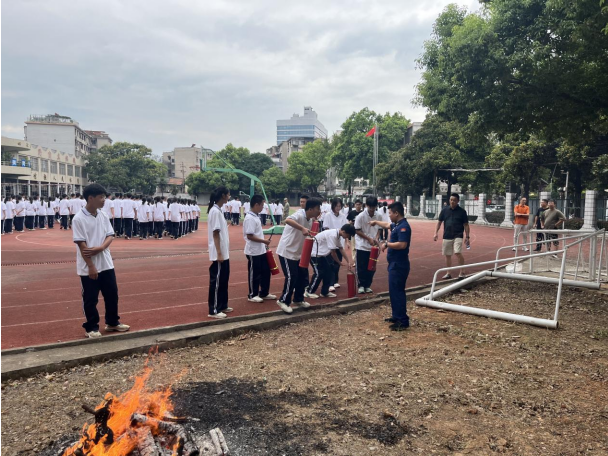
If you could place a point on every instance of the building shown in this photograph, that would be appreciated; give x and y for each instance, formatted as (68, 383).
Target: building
(306, 126)
(275, 155)
(33, 169)
(98, 139)
(60, 133)
(183, 161)
(288, 147)
(411, 131)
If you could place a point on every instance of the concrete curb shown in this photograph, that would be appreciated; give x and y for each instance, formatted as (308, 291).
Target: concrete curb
(26, 362)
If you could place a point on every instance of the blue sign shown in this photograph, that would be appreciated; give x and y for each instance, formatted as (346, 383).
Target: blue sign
(13, 162)
(23, 162)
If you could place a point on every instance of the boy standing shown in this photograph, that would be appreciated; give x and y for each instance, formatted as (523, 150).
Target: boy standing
(255, 250)
(367, 237)
(93, 234)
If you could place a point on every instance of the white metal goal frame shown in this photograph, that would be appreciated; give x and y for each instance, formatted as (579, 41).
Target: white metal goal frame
(593, 281)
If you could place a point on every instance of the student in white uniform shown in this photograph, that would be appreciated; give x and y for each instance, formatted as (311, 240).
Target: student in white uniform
(71, 203)
(246, 207)
(108, 208)
(271, 210)
(258, 271)
(128, 214)
(93, 234)
(289, 252)
(142, 217)
(9, 216)
(118, 225)
(30, 214)
(3, 215)
(37, 215)
(19, 214)
(264, 214)
(236, 211)
(324, 256)
(136, 205)
(219, 248)
(50, 212)
(166, 228)
(383, 211)
(64, 211)
(367, 236)
(278, 212)
(158, 217)
(174, 217)
(335, 219)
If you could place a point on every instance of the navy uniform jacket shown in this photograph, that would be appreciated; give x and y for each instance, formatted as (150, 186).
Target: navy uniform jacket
(400, 232)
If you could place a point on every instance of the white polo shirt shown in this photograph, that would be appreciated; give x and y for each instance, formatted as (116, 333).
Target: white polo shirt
(236, 207)
(128, 208)
(158, 212)
(253, 225)
(107, 207)
(278, 209)
(216, 222)
(325, 242)
(64, 207)
(333, 221)
(143, 213)
(292, 240)
(362, 223)
(4, 211)
(246, 207)
(10, 209)
(93, 230)
(118, 208)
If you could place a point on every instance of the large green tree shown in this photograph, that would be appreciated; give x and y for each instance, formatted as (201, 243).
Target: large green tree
(125, 166)
(353, 150)
(275, 182)
(308, 167)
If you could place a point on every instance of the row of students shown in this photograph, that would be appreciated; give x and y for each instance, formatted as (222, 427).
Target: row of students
(34, 212)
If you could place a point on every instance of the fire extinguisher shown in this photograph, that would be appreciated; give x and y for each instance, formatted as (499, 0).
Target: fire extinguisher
(373, 258)
(272, 264)
(351, 284)
(306, 252)
(314, 230)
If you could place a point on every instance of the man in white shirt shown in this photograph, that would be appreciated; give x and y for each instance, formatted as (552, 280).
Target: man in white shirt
(264, 214)
(290, 250)
(278, 212)
(236, 211)
(271, 209)
(108, 208)
(93, 234)
(324, 256)
(246, 207)
(64, 211)
(173, 218)
(367, 236)
(258, 271)
(128, 214)
(118, 225)
(219, 251)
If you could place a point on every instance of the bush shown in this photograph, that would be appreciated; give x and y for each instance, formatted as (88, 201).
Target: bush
(575, 223)
(472, 218)
(496, 217)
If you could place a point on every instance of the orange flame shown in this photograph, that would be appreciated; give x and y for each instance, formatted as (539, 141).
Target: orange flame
(139, 399)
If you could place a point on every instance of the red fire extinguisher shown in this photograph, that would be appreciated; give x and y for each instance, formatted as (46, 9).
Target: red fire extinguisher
(314, 230)
(373, 258)
(351, 284)
(306, 252)
(272, 264)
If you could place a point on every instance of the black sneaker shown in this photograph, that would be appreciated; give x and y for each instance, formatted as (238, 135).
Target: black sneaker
(398, 327)
(390, 320)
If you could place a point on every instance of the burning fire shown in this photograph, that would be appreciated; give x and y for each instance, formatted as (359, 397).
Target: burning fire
(123, 422)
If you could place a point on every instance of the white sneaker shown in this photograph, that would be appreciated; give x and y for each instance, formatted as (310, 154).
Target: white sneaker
(332, 288)
(269, 297)
(228, 310)
(93, 334)
(525, 249)
(311, 295)
(119, 328)
(369, 290)
(284, 307)
(255, 299)
(329, 295)
(336, 285)
(514, 249)
(302, 304)
(361, 290)
(218, 315)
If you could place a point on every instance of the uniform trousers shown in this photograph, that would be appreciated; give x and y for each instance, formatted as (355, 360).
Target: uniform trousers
(19, 223)
(8, 225)
(50, 220)
(64, 222)
(397, 278)
(296, 280)
(219, 274)
(106, 283)
(128, 226)
(365, 277)
(258, 273)
(323, 271)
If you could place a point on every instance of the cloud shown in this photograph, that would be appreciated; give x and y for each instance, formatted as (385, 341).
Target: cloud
(167, 74)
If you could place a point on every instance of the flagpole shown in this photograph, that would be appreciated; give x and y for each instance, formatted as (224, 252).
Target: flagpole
(375, 158)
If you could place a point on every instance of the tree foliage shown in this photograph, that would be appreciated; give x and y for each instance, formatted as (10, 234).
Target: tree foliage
(125, 166)
(308, 167)
(275, 183)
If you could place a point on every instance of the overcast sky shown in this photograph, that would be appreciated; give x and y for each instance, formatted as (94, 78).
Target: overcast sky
(173, 73)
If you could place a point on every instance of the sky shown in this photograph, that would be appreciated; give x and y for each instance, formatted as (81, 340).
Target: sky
(181, 72)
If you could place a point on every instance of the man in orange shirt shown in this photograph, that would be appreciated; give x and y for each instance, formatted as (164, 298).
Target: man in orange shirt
(522, 213)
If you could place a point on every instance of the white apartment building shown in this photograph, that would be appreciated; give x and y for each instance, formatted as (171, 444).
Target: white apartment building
(99, 139)
(60, 133)
(183, 161)
(306, 126)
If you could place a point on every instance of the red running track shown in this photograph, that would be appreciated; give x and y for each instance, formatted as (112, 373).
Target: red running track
(164, 282)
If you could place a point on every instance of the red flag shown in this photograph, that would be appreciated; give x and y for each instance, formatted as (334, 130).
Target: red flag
(371, 132)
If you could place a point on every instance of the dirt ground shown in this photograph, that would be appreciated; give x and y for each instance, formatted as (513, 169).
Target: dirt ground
(346, 385)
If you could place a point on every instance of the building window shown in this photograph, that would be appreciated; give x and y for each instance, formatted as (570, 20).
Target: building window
(44, 190)
(77, 171)
(53, 167)
(70, 170)
(62, 168)
(45, 166)
(34, 162)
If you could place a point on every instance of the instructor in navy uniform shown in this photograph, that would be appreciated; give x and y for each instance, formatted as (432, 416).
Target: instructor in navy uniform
(398, 247)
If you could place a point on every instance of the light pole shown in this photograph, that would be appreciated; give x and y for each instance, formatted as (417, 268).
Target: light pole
(567, 173)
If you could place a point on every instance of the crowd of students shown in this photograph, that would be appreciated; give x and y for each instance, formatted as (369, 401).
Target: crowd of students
(130, 215)
(234, 210)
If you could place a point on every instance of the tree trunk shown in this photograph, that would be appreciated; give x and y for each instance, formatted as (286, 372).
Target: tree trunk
(434, 183)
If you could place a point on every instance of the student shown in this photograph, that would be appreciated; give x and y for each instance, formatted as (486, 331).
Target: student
(385, 218)
(3, 215)
(271, 210)
(118, 225)
(165, 203)
(72, 207)
(128, 214)
(303, 200)
(50, 212)
(289, 252)
(136, 206)
(367, 236)
(93, 234)
(10, 215)
(335, 219)
(38, 220)
(64, 211)
(278, 212)
(158, 218)
(236, 211)
(398, 264)
(246, 207)
(219, 248)
(30, 214)
(175, 217)
(108, 208)
(19, 214)
(197, 212)
(258, 270)
(264, 214)
(143, 218)
(324, 256)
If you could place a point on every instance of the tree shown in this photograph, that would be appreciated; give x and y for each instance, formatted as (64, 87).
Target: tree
(257, 163)
(308, 168)
(207, 181)
(274, 181)
(125, 166)
(353, 155)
